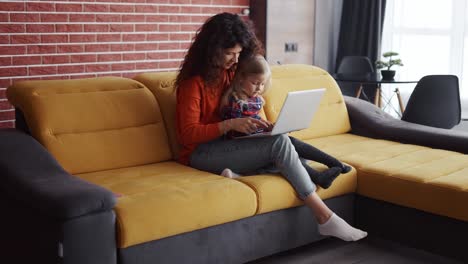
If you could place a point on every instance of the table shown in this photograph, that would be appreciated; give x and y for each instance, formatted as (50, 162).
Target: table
(373, 78)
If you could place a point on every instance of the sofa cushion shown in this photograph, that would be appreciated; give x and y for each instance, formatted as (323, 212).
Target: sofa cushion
(274, 192)
(93, 124)
(430, 180)
(331, 117)
(167, 198)
(161, 84)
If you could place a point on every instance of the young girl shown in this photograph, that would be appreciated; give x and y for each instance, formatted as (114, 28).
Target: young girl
(244, 99)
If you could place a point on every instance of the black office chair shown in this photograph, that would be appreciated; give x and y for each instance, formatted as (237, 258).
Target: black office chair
(434, 102)
(356, 65)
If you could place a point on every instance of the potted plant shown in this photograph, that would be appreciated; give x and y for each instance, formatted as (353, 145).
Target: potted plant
(387, 73)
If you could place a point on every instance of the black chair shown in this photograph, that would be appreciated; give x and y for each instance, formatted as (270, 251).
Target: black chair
(356, 65)
(435, 102)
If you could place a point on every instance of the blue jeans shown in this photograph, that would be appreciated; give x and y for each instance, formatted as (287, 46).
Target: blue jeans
(248, 156)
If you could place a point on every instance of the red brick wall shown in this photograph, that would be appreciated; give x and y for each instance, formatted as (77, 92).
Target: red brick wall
(90, 38)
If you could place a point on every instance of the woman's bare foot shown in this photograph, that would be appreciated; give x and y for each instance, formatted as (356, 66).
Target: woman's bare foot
(229, 174)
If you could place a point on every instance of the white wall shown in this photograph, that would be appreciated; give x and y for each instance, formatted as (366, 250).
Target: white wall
(290, 21)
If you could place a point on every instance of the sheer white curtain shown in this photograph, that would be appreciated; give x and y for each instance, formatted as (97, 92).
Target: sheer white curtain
(431, 37)
(327, 29)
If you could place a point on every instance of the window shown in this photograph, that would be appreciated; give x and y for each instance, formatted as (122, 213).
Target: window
(431, 37)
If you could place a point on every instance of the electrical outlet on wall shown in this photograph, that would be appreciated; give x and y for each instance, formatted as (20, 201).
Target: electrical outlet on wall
(290, 47)
(294, 47)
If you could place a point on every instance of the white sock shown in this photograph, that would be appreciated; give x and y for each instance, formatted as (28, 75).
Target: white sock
(229, 174)
(337, 227)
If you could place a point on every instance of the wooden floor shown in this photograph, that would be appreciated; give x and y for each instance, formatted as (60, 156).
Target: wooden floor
(367, 251)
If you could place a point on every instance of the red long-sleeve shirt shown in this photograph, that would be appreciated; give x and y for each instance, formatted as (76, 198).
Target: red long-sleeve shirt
(197, 113)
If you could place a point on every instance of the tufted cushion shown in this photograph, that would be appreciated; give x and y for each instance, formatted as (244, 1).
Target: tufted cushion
(331, 117)
(93, 124)
(167, 198)
(162, 86)
(274, 192)
(427, 179)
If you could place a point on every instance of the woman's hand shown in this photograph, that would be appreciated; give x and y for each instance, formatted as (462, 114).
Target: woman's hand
(246, 125)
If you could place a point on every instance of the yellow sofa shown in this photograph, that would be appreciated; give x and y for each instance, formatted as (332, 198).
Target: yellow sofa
(115, 137)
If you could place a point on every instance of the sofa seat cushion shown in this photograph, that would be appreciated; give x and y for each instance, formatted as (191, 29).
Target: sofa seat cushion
(165, 199)
(427, 179)
(274, 192)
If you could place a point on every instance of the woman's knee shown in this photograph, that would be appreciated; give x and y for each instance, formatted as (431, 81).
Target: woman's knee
(282, 139)
(282, 148)
(281, 142)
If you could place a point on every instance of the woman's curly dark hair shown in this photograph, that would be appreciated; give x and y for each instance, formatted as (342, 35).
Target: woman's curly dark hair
(218, 33)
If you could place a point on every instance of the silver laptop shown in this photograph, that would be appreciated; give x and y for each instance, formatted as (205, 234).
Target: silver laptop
(296, 114)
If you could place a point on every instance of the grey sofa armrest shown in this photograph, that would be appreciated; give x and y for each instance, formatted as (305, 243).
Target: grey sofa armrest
(370, 121)
(31, 175)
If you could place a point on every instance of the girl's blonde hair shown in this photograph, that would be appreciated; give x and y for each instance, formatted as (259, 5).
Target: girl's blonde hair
(253, 65)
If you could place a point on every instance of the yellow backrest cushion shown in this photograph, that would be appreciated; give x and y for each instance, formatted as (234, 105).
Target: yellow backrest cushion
(93, 124)
(331, 117)
(161, 85)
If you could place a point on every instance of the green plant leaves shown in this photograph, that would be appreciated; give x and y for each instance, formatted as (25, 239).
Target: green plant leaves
(380, 64)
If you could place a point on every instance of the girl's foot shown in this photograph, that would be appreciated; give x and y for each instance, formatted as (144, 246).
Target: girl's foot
(325, 178)
(345, 168)
(337, 227)
(229, 174)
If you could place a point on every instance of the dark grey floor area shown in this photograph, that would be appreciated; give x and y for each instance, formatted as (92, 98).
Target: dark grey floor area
(367, 251)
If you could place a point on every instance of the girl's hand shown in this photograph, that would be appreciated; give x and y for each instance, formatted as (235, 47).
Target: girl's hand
(269, 127)
(246, 125)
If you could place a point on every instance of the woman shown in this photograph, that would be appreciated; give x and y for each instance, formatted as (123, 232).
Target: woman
(207, 70)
